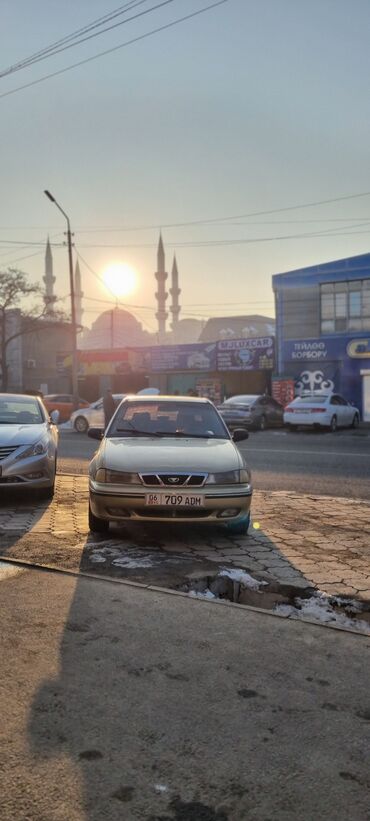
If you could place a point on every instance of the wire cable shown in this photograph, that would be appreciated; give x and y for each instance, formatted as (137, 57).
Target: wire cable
(67, 38)
(90, 36)
(150, 33)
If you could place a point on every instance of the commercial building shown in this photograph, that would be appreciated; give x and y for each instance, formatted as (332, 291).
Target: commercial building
(323, 328)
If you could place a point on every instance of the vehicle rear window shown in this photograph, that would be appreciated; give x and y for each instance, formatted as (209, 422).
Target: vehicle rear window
(240, 400)
(311, 400)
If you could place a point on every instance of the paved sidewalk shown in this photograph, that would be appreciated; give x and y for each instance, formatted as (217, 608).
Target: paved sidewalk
(296, 540)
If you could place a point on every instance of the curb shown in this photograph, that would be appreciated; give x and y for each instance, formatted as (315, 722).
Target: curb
(167, 591)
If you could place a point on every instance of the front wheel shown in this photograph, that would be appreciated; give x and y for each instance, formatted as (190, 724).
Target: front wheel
(240, 528)
(81, 425)
(46, 493)
(97, 525)
(333, 424)
(355, 421)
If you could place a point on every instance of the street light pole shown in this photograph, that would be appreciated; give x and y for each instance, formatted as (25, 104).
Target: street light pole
(73, 306)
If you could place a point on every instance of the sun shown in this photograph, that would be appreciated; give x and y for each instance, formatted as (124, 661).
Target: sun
(119, 278)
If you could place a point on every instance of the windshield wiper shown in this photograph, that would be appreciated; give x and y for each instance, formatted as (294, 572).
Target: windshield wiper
(185, 435)
(137, 432)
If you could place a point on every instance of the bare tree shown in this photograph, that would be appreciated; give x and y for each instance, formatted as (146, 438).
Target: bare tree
(14, 287)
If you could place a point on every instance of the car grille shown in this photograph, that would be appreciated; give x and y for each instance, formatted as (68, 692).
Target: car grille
(7, 450)
(173, 479)
(169, 513)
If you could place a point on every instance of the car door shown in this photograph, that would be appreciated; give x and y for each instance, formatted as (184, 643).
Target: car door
(347, 410)
(337, 409)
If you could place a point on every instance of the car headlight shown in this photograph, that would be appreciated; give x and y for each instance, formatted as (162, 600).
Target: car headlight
(116, 477)
(37, 449)
(230, 477)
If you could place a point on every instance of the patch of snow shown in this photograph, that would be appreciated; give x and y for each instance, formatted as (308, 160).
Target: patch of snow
(160, 788)
(130, 564)
(97, 558)
(205, 594)
(65, 426)
(319, 608)
(238, 575)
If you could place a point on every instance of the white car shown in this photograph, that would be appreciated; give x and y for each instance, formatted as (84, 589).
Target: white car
(93, 415)
(327, 410)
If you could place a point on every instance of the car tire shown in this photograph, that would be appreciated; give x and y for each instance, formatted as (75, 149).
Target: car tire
(262, 425)
(239, 528)
(80, 424)
(333, 424)
(355, 421)
(46, 493)
(292, 428)
(97, 525)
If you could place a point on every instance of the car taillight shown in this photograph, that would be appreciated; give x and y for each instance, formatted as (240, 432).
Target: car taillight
(318, 410)
(289, 409)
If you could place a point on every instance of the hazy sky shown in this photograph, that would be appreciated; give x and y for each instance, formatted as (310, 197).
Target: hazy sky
(253, 106)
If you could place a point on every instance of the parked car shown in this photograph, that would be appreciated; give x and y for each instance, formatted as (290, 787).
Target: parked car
(251, 411)
(28, 444)
(329, 410)
(62, 402)
(93, 415)
(169, 460)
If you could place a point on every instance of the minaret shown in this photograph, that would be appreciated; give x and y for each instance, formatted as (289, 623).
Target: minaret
(161, 294)
(175, 293)
(78, 295)
(49, 280)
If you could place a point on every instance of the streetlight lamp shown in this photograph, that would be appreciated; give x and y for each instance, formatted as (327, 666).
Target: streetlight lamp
(73, 307)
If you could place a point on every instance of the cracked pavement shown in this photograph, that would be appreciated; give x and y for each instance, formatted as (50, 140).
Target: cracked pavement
(297, 540)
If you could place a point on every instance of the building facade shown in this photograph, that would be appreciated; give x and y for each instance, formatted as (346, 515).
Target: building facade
(323, 328)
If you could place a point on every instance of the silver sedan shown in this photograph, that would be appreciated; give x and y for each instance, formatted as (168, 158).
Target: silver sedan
(28, 444)
(165, 459)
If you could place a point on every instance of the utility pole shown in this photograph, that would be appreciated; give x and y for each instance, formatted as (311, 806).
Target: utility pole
(74, 368)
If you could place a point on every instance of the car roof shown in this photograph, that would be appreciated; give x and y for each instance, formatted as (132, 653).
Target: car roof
(19, 396)
(181, 399)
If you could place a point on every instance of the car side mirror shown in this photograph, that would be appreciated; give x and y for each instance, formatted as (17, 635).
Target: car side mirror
(95, 433)
(239, 434)
(54, 417)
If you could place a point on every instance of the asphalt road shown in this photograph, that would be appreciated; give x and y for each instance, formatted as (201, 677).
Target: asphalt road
(305, 462)
(126, 704)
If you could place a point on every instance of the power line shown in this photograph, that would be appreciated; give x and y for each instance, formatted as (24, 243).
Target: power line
(116, 48)
(67, 46)
(67, 38)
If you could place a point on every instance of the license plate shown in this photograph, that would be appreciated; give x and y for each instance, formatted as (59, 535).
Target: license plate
(174, 500)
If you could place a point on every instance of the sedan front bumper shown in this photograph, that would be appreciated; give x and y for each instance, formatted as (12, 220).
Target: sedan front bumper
(219, 504)
(34, 472)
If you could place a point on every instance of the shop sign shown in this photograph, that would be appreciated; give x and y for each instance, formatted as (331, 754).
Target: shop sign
(245, 354)
(200, 357)
(282, 390)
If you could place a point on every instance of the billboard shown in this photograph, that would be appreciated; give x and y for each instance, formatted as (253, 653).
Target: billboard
(246, 354)
(200, 357)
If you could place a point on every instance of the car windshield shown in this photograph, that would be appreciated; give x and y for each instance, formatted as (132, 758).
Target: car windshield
(20, 411)
(177, 419)
(240, 400)
(311, 399)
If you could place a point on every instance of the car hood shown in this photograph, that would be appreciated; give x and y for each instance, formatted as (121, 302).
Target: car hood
(166, 454)
(17, 435)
